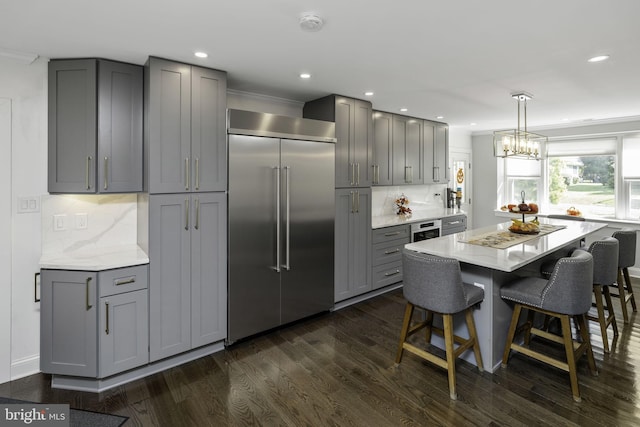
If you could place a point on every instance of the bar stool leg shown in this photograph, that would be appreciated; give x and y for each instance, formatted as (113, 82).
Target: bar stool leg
(473, 334)
(611, 318)
(571, 359)
(429, 323)
(512, 331)
(408, 314)
(622, 296)
(447, 320)
(597, 290)
(627, 280)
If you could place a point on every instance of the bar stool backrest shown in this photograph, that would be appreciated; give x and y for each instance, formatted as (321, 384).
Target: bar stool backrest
(432, 282)
(627, 239)
(605, 261)
(570, 286)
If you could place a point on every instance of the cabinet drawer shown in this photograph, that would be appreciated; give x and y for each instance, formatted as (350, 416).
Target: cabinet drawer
(391, 233)
(387, 274)
(388, 252)
(457, 223)
(123, 280)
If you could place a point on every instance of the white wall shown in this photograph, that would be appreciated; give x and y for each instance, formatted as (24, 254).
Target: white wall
(5, 241)
(26, 86)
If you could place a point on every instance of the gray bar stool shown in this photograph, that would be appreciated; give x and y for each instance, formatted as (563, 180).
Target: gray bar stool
(435, 285)
(605, 271)
(567, 293)
(626, 258)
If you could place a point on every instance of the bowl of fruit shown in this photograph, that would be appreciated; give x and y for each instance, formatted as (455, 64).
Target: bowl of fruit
(573, 211)
(522, 227)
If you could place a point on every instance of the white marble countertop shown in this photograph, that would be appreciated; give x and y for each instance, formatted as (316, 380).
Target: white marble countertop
(95, 259)
(419, 215)
(509, 259)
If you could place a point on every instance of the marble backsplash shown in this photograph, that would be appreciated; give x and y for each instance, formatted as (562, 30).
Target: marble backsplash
(421, 197)
(77, 222)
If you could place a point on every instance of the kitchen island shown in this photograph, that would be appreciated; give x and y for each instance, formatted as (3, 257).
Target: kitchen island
(490, 268)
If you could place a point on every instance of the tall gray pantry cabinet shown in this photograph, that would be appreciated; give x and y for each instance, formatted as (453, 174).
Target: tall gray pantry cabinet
(184, 216)
(354, 170)
(94, 126)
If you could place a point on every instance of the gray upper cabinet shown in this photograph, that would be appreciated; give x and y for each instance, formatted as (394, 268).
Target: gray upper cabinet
(436, 152)
(185, 135)
(354, 135)
(352, 243)
(187, 252)
(408, 159)
(382, 166)
(95, 126)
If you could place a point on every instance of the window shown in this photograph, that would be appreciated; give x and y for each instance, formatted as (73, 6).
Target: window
(598, 176)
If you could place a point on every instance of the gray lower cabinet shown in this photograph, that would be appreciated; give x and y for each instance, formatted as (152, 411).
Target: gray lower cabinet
(185, 128)
(408, 162)
(95, 126)
(388, 243)
(188, 273)
(382, 148)
(436, 152)
(352, 243)
(93, 324)
(454, 224)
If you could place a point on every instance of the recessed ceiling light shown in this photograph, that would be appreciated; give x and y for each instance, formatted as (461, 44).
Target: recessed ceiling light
(305, 75)
(599, 58)
(439, 117)
(201, 54)
(368, 94)
(404, 110)
(565, 119)
(472, 124)
(311, 22)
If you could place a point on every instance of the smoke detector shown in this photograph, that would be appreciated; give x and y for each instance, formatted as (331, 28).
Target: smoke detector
(311, 22)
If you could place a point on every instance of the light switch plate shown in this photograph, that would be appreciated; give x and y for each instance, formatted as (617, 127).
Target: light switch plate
(59, 222)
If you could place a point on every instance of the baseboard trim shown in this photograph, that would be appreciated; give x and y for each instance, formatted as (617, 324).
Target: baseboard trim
(24, 367)
(95, 385)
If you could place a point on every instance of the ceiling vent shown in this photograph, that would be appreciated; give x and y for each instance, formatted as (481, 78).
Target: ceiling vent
(311, 23)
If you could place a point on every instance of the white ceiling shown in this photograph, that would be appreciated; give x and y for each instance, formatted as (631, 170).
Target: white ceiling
(457, 58)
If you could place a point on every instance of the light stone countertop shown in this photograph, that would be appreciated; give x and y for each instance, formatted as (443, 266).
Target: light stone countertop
(95, 259)
(509, 259)
(419, 215)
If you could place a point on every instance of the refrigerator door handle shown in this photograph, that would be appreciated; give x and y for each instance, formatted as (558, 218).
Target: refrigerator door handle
(277, 266)
(287, 171)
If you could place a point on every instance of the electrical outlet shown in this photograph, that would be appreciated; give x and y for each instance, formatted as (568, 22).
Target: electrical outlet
(82, 220)
(59, 222)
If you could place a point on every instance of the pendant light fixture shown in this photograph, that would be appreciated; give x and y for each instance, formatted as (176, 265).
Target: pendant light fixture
(519, 143)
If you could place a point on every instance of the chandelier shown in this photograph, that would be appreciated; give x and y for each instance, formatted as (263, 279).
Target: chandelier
(518, 143)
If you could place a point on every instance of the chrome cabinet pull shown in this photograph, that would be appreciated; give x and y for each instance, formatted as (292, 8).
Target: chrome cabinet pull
(125, 281)
(106, 172)
(87, 172)
(197, 173)
(277, 171)
(353, 172)
(357, 202)
(35, 287)
(106, 304)
(453, 223)
(410, 173)
(357, 174)
(186, 214)
(197, 226)
(86, 288)
(406, 174)
(436, 173)
(395, 251)
(186, 173)
(353, 202)
(395, 233)
(393, 273)
(377, 174)
(287, 170)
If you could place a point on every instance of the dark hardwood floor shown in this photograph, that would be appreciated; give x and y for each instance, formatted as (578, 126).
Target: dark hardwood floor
(338, 369)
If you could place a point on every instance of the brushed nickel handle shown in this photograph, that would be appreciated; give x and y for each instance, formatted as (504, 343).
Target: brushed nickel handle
(357, 174)
(353, 203)
(106, 172)
(287, 258)
(353, 172)
(377, 174)
(393, 273)
(395, 233)
(186, 214)
(197, 226)
(410, 173)
(87, 172)
(106, 304)
(35, 287)
(125, 281)
(197, 173)
(436, 173)
(406, 174)
(357, 202)
(86, 288)
(186, 173)
(395, 251)
(277, 266)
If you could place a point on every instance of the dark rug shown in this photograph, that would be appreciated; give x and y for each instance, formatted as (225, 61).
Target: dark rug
(81, 418)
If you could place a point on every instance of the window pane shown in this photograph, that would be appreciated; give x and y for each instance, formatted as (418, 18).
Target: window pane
(631, 157)
(521, 167)
(586, 183)
(634, 200)
(517, 185)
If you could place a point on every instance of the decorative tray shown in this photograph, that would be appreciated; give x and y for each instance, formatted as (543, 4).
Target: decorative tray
(518, 231)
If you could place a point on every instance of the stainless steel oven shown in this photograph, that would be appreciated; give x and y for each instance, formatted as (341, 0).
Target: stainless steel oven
(426, 230)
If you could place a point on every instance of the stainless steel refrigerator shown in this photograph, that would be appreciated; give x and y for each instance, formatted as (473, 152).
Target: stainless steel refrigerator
(281, 220)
